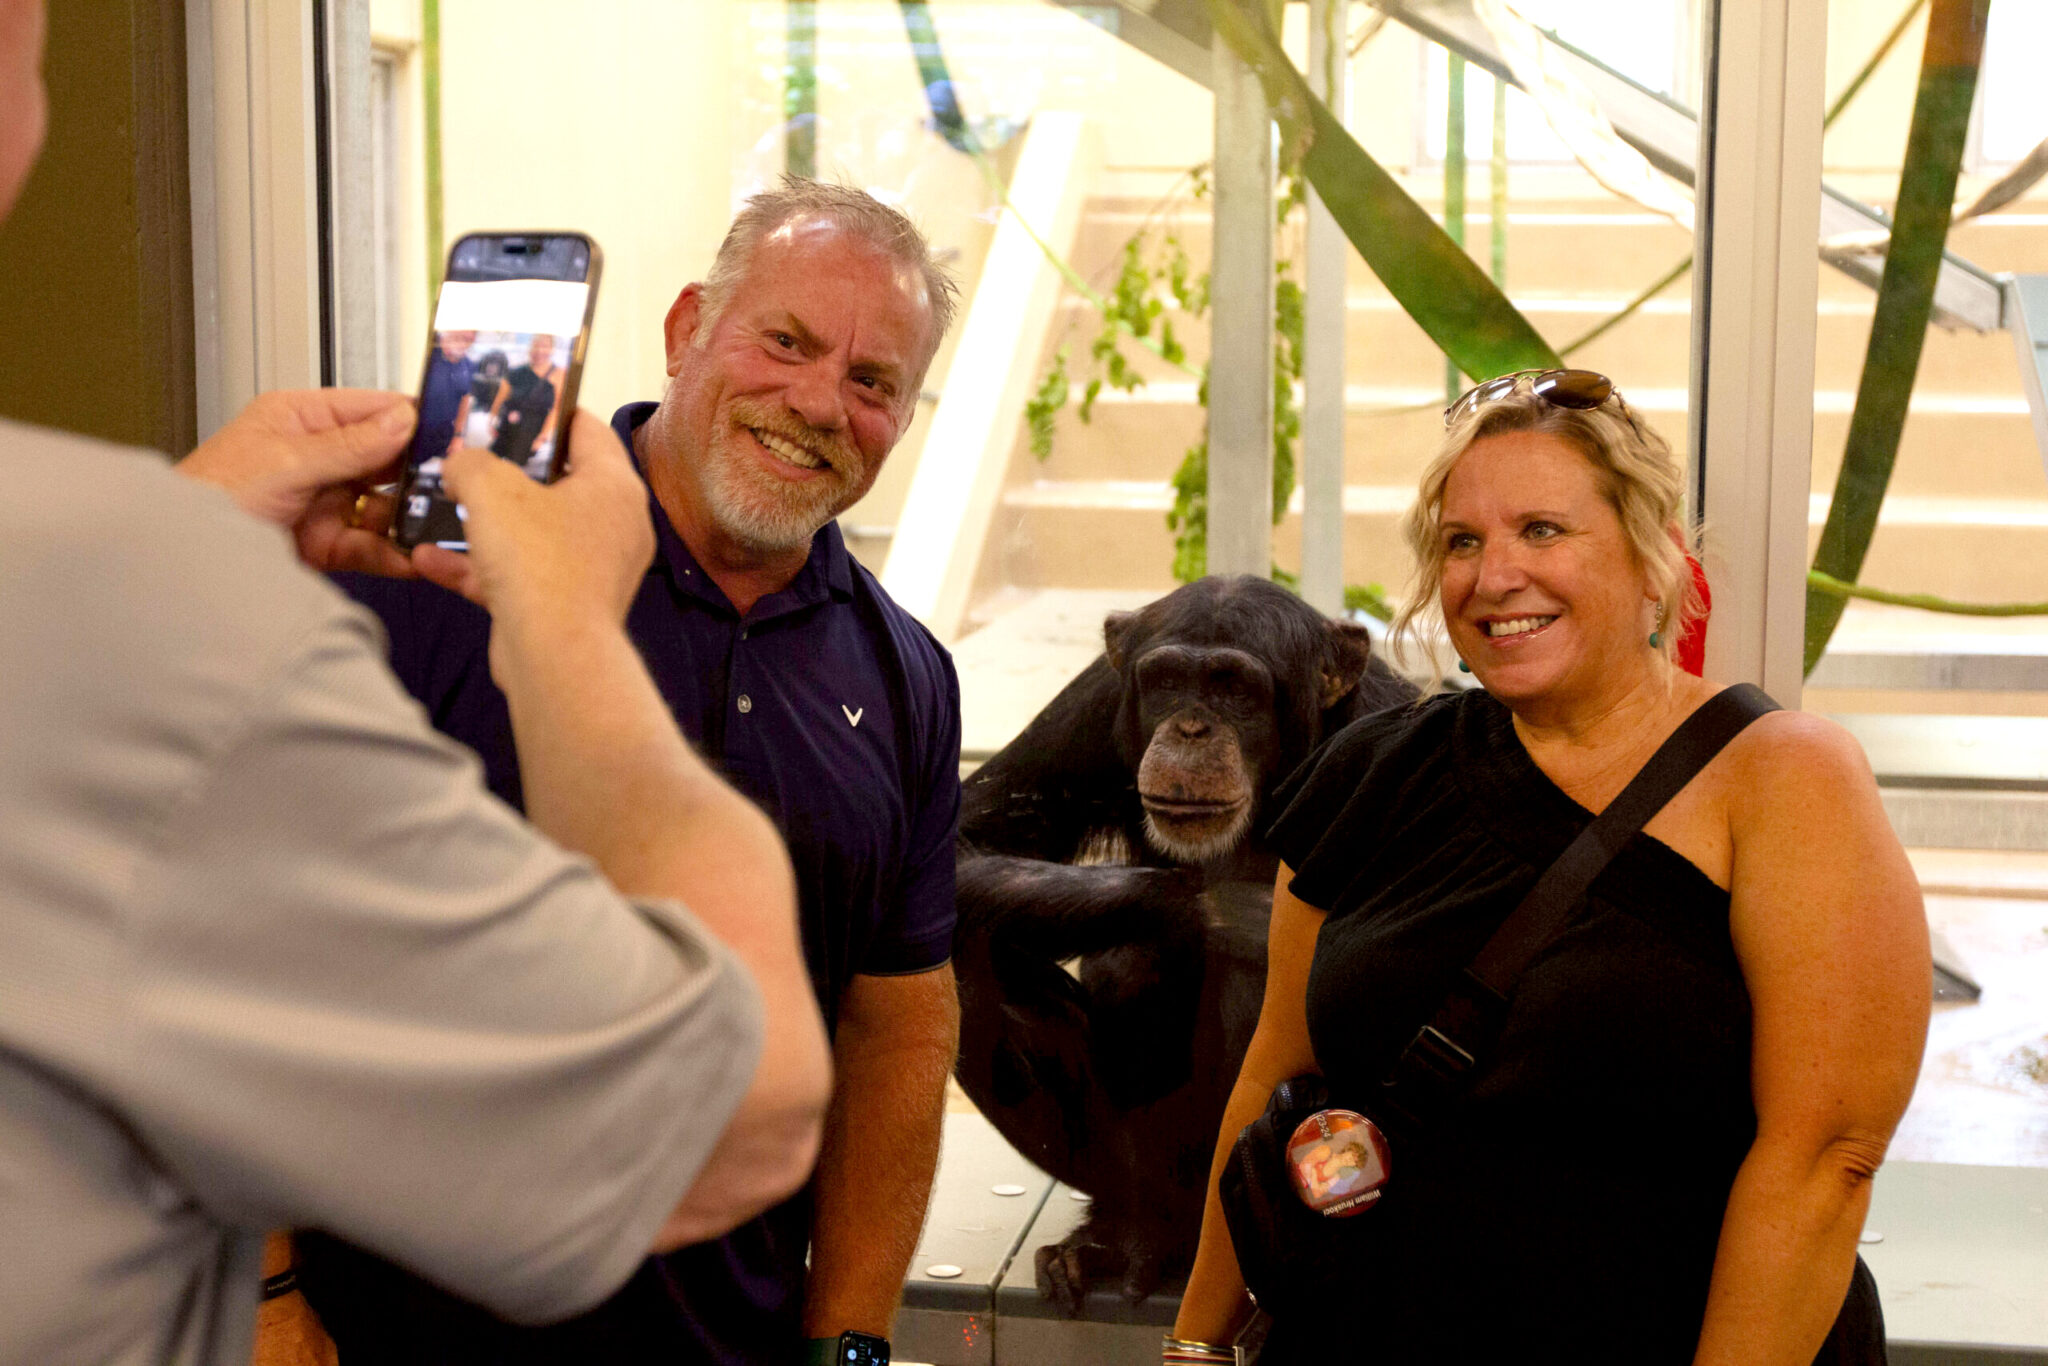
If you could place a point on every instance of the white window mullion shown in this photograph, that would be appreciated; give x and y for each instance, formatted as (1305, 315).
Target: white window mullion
(255, 238)
(1754, 321)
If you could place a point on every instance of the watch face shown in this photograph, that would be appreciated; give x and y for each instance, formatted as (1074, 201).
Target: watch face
(862, 1349)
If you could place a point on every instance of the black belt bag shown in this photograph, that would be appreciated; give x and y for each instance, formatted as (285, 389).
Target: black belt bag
(1285, 1247)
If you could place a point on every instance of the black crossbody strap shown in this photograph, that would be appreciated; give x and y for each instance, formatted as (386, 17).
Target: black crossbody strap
(1678, 760)
(1445, 1049)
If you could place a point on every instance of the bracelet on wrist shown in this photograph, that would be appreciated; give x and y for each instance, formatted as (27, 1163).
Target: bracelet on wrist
(1175, 1351)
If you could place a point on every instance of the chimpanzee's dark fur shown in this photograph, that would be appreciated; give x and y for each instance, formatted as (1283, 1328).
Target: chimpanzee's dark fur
(1114, 1079)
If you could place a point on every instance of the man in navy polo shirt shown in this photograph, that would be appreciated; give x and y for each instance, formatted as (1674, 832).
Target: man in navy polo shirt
(794, 368)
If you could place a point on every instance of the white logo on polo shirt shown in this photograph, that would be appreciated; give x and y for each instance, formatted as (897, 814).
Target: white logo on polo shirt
(853, 714)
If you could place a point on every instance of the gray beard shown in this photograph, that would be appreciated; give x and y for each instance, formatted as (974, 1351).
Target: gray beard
(766, 530)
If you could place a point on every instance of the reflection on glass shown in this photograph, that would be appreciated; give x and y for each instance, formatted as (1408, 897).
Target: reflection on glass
(1950, 706)
(1084, 528)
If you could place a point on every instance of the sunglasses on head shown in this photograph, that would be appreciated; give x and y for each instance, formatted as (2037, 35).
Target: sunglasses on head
(1560, 388)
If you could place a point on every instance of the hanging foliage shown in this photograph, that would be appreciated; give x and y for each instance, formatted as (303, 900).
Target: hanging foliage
(1905, 303)
(1441, 287)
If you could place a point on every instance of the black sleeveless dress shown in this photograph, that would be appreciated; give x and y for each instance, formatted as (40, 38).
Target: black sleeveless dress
(1566, 1207)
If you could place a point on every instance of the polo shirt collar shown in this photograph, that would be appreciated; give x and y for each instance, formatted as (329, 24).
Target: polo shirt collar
(827, 572)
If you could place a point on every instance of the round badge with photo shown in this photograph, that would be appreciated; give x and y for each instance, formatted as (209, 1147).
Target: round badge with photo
(1339, 1162)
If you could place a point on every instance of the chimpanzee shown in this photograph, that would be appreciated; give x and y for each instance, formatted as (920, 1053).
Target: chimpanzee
(1123, 828)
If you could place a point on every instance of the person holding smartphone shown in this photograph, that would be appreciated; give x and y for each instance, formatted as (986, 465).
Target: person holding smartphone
(274, 956)
(794, 369)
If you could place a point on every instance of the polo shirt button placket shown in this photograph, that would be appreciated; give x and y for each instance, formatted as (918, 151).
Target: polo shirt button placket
(746, 704)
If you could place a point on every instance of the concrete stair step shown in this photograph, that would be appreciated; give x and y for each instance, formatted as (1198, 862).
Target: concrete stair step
(1567, 246)
(1960, 782)
(1112, 533)
(1383, 345)
(1897, 660)
(1589, 249)
(1953, 445)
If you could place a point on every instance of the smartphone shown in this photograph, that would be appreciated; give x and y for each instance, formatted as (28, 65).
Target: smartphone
(504, 359)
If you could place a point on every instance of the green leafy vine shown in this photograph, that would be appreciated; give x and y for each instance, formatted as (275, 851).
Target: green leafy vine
(1153, 270)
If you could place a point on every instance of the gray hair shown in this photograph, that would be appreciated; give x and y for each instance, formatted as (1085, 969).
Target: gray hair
(853, 210)
(1637, 473)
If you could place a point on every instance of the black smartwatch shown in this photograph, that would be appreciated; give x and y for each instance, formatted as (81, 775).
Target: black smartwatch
(848, 1349)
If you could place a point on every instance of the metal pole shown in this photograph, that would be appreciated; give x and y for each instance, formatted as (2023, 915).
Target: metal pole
(1454, 188)
(1240, 492)
(1322, 364)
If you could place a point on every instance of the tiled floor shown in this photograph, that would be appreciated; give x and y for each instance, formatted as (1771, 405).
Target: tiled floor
(1983, 1093)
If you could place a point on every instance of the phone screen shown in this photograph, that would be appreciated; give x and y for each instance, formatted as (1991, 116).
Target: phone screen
(502, 368)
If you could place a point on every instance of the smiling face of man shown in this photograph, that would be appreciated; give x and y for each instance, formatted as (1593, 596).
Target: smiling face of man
(783, 405)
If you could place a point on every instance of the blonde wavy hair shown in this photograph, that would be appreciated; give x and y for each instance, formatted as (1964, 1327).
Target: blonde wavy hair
(1637, 472)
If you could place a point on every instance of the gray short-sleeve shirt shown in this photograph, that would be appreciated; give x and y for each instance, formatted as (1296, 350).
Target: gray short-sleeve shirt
(270, 955)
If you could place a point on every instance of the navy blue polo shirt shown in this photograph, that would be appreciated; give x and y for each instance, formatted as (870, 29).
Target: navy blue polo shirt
(836, 712)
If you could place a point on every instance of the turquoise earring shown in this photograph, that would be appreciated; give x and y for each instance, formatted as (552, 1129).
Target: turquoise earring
(1657, 631)
(1463, 667)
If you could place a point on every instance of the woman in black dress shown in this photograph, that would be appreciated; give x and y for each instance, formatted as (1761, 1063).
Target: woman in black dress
(525, 399)
(1666, 1155)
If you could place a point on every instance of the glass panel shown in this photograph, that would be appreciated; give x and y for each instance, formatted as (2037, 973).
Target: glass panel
(1950, 707)
(846, 93)
(1650, 43)
(1573, 255)
(2014, 101)
(1081, 526)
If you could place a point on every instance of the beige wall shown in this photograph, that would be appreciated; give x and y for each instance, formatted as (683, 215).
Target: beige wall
(612, 124)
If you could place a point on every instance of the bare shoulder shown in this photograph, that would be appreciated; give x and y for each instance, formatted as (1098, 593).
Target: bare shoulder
(1802, 802)
(1793, 754)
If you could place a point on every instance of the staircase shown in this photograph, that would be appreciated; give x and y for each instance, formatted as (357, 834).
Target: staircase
(1967, 517)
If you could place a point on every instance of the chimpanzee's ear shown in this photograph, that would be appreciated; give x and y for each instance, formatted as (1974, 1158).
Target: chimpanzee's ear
(1114, 629)
(1350, 649)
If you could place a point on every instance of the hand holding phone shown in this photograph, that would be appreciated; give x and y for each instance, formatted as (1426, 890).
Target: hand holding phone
(308, 460)
(579, 549)
(503, 366)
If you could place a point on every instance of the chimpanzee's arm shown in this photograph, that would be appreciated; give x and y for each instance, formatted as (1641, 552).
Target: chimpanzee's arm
(1043, 794)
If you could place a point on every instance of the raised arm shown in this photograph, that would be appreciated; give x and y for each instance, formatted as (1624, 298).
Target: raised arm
(1214, 1306)
(1832, 939)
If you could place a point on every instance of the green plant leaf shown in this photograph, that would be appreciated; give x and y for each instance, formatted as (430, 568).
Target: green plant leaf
(1088, 397)
(1370, 598)
(1045, 404)
(1431, 277)
(1905, 303)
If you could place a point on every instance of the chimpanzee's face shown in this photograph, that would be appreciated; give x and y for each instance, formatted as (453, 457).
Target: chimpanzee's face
(1209, 713)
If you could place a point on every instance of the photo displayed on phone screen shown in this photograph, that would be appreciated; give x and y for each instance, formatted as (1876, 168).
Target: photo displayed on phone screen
(502, 370)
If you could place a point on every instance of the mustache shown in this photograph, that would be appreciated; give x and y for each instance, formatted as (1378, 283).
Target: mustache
(834, 448)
